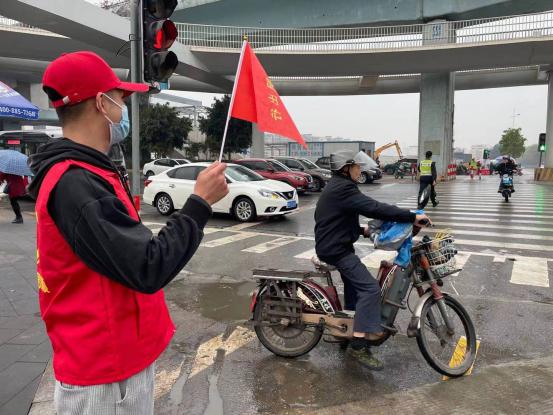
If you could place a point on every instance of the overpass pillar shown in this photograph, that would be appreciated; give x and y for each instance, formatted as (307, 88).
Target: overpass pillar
(549, 125)
(436, 118)
(437, 92)
(258, 142)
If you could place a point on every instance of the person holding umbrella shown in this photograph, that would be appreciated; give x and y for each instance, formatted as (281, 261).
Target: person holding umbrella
(13, 166)
(15, 188)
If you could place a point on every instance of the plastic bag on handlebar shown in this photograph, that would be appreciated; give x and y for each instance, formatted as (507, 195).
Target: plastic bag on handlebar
(394, 236)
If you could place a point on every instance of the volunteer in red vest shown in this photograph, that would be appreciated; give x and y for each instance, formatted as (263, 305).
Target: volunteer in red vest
(100, 270)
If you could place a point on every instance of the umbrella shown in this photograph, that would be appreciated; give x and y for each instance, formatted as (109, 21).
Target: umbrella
(14, 162)
(14, 105)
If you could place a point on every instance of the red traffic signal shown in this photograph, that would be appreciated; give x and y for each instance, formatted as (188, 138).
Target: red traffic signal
(162, 33)
(159, 34)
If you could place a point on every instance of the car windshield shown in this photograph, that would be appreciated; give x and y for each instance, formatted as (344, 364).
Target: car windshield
(309, 164)
(277, 165)
(243, 174)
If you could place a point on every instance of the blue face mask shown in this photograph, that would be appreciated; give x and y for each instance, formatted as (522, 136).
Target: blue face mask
(118, 131)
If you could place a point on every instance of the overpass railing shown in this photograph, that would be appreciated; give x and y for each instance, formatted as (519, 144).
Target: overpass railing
(334, 39)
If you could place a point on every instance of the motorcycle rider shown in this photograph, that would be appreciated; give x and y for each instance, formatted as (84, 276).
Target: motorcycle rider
(336, 230)
(507, 166)
(428, 177)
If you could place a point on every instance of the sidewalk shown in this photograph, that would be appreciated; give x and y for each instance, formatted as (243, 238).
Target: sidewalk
(24, 346)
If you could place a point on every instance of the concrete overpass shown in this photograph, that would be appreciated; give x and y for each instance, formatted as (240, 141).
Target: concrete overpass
(435, 57)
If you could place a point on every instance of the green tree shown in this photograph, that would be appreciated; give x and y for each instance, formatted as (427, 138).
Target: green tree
(161, 131)
(239, 135)
(512, 142)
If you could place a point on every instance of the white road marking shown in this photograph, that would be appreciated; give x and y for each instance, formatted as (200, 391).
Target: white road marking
(499, 259)
(205, 356)
(526, 235)
(527, 229)
(384, 186)
(267, 246)
(531, 271)
(208, 231)
(535, 212)
(241, 226)
(374, 258)
(513, 216)
(307, 254)
(467, 222)
(228, 239)
(505, 245)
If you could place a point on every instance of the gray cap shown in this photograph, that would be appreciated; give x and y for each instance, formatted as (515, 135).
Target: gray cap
(344, 158)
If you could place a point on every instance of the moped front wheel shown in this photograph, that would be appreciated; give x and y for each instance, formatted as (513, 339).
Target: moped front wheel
(449, 346)
(277, 334)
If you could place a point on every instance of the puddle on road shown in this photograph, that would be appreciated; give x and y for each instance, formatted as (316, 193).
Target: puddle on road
(217, 301)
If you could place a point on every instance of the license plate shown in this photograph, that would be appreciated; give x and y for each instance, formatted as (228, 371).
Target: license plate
(291, 204)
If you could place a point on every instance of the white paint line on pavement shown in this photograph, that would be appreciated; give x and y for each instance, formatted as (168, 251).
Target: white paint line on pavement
(148, 224)
(240, 226)
(513, 216)
(374, 258)
(527, 229)
(505, 245)
(307, 254)
(205, 356)
(530, 272)
(500, 203)
(384, 186)
(499, 259)
(468, 222)
(267, 246)
(208, 231)
(301, 209)
(467, 208)
(228, 239)
(461, 259)
(527, 235)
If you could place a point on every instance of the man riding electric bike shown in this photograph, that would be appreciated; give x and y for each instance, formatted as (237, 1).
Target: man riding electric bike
(508, 167)
(336, 230)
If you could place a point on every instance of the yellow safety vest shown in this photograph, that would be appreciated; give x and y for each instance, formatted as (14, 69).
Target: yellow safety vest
(426, 168)
(473, 165)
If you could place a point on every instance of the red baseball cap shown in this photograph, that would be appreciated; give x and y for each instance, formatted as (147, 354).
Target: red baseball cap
(81, 75)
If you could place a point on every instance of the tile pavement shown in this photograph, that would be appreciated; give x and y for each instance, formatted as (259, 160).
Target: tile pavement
(24, 347)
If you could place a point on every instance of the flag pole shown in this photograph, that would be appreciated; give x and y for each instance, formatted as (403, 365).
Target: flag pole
(236, 78)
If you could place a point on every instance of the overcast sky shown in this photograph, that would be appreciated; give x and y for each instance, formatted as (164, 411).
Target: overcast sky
(480, 115)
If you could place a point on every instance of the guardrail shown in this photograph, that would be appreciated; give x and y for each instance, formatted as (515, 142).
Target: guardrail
(466, 32)
(15, 26)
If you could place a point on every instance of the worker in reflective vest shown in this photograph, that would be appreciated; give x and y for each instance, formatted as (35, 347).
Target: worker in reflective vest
(428, 177)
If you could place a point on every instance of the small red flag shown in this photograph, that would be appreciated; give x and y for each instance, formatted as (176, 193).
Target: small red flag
(256, 100)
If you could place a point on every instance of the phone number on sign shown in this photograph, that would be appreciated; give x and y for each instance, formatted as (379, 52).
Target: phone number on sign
(17, 111)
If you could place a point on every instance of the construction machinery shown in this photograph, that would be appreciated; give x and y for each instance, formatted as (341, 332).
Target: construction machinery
(385, 147)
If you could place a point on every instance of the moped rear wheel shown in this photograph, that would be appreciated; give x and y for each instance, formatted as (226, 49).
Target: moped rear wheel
(286, 340)
(438, 344)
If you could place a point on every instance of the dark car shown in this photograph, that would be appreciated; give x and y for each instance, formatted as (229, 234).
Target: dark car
(323, 162)
(272, 169)
(392, 167)
(320, 175)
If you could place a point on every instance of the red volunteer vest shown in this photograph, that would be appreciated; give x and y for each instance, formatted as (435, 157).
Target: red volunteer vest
(101, 331)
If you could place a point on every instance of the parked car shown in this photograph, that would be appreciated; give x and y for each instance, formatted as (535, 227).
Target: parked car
(320, 176)
(272, 169)
(250, 194)
(160, 165)
(323, 162)
(392, 167)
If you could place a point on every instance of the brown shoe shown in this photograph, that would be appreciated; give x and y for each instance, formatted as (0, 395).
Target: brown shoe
(375, 336)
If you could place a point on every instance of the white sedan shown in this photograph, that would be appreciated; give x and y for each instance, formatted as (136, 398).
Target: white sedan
(250, 195)
(160, 165)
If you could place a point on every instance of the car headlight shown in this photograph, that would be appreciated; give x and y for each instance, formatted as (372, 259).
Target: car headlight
(327, 176)
(268, 194)
(299, 178)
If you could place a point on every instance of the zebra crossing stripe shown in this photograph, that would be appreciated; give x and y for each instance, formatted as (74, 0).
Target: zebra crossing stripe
(508, 245)
(482, 211)
(310, 253)
(467, 222)
(530, 271)
(374, 258)
(526, 235)
(512, 216)
(228, 239)
(267, 246)
(492, 226)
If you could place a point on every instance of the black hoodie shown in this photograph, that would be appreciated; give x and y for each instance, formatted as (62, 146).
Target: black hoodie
(99, 229)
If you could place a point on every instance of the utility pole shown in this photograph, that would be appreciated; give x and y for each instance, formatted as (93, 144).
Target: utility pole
(136, 71)
(514, 116)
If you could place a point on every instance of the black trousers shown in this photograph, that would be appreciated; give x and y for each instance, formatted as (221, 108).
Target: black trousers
(15, 207)
(424, 184)
(361, 293)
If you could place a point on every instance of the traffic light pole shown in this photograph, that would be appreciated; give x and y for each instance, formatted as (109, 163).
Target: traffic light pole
(136, 70)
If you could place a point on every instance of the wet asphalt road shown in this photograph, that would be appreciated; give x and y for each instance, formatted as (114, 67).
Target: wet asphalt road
(216, 365)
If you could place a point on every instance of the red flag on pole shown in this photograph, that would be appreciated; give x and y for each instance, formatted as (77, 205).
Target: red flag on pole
(255, 99)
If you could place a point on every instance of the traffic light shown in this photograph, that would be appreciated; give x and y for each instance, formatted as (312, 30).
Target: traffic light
(486, 154)
(158, 34)
(541, 143)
